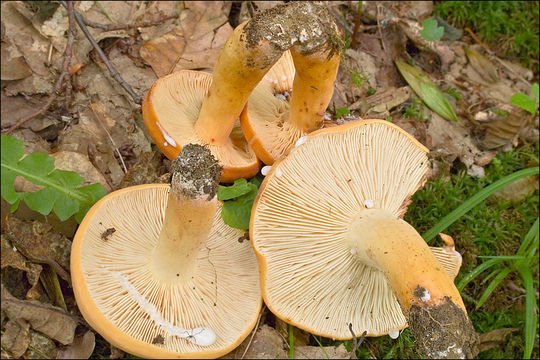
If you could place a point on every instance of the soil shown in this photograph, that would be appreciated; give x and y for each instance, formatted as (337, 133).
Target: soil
(195, 172)
(443, 331)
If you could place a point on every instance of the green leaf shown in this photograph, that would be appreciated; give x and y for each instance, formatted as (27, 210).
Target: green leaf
(42, 200)
(61, 192)
(342, 111)
(477, 271)
(431, 30)
(239, 188)
(493, 285)
(524, 101)
(531, 316)
(427, 91)
(237, 213)
(475, 200)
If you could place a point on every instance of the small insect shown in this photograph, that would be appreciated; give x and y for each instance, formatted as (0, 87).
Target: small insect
(158, 340)
(243, 237)
(107, 233)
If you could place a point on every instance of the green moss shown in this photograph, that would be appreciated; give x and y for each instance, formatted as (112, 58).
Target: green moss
(508, 27)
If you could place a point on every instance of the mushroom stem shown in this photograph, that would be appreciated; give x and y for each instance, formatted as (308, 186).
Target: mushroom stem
(190, 211)
(427, 295)
(186, 226)
(239, 68)
(313, 88)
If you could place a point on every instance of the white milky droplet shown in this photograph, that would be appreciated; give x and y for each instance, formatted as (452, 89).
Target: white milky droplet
(394, 334)
(281, 97)
(202, 336)
(300, 141)
(265, 170)
(369, 203)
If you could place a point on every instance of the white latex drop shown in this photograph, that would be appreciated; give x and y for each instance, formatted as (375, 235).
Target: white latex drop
(202, 336)
(394, 334)
(300, 141)
(265, 170)
(280, 97)
(369, 204)
(166, 136)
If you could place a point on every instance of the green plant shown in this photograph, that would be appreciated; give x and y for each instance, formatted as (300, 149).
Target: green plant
(523, 262)
(511, 26)
(526, 102)
(453, 93)
(342, 111)
(431, 31)
(237, 201)
(61, 190)
(415, 109)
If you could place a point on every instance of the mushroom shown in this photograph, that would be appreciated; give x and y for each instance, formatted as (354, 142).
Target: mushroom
(281, 110)
(333, 249)
(189, 107)
(158, 274)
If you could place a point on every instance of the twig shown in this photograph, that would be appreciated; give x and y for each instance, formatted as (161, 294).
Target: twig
(356, 25)
(356, 342)
(59, 86)
(380, 31)
(253, 333)
(67, 57)
(106, 27)
(115, 74)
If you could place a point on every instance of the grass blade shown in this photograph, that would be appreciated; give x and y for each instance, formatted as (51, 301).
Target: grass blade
(291, 342)
(493, 285)
(531, 317)
(503, 257)
(475, 200)
(476, 271)
(530, 237)
(320, 345)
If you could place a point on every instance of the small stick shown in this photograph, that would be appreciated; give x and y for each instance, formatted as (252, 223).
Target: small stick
(106, 27)
(67, 57)
(59, 86)
(115, 74)
(98, 117)
(356, 25)
(380, 31)
(356, 342)
(253, 333)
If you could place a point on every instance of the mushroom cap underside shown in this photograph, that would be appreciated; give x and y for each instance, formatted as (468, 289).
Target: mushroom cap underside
(264, 120)
(301, 216)
(170, 110)
(136, 312)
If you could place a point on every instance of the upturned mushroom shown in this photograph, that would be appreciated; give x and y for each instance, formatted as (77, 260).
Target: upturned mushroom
(333, 248)
(193, 107)
(293, 96)
(158, 274)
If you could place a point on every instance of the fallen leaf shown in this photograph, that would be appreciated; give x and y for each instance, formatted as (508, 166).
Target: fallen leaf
(81, 348)
(13, 258)
(194, 44)
(47, 319)
(317, 352)
(15, 338)
(39, 243)
(266, 344)
(40, 347)
(494, 338)
(16, 107)
(13, 65)
(482, 65)
(517, 191)
(74, 161)
(504, 130)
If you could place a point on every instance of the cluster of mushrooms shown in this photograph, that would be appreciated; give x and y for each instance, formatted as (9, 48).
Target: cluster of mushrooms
(157, 272)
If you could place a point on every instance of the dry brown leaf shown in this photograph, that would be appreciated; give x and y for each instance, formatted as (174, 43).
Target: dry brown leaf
(13, 65)
(517, 191)
(16, 107)
(494, 338)
(47, 319)
(504, 130)
(40, 347)
(266, 344)
(482, 65)
(81, 348)
(39, 243)
(194, 44)
(317, 352)
(448, 140)
(15, 338)
(13, 258)
(73, 161)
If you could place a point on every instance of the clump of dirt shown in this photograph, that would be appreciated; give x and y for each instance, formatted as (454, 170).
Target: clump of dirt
(195, 172)
(308, 27)
(443, 331)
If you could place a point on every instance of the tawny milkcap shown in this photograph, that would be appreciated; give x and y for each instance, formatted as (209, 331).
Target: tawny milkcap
(158, 274)
(185, 107)
(333, 248)
(292, 98)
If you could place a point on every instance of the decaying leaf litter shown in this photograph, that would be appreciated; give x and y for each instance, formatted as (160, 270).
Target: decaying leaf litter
(94, 126)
